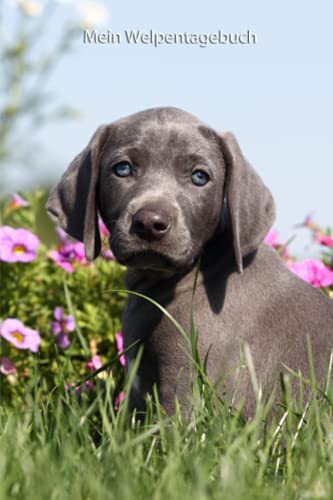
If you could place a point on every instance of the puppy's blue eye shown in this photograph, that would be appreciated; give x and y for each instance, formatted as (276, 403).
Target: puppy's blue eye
(199, 177)
(123, 169)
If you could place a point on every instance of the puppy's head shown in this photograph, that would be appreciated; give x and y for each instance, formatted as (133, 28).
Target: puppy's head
(159, 179)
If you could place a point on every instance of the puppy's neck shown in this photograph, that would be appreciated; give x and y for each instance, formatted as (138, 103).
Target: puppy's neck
(145, 279)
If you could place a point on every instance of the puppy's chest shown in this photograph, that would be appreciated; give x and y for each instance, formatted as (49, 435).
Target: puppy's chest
(145, 323)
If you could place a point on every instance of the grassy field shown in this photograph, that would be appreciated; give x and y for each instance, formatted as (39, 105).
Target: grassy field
(58, 444)
(72, 447)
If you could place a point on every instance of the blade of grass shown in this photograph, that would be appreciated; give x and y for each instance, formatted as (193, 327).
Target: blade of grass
(315, 399)
(77, 326)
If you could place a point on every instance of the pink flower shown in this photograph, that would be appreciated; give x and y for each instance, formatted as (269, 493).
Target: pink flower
(95, 363)
(314, 272)
(68, 252)
(271, 237)
(86, 386)
(17, 201)
(120, 348)
(121, 396)
(318, 235)
(17, 245)
(106, 253)
(103, 229)
(272, 240)
(6, 367)
(61, 326)
(323, 239)
(19, 335)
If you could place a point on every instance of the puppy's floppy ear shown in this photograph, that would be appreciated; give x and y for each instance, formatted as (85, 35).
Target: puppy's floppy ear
(72, 203)
(250, 203)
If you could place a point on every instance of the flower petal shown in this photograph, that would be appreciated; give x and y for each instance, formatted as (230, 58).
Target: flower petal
(314, 272)
(55, 327)
(63, 340)
(58, 313)
(18, 201)
(119, 344)
(6, 367)
(32, 340)
(69, 323)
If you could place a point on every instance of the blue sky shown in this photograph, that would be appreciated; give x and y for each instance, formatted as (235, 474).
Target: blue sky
(276, 96)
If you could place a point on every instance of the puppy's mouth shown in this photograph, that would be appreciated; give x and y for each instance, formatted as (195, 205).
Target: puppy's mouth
(149, 259)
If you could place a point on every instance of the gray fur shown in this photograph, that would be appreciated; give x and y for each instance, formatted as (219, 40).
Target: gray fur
(245, 293)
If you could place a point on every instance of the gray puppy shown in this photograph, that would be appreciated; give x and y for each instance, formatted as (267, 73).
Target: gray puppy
(170, 189)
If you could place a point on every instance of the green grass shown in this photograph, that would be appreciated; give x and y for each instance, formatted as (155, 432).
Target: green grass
(70, 447)
(80, 449)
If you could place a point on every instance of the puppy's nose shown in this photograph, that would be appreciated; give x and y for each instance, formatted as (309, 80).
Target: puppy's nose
(150, 224)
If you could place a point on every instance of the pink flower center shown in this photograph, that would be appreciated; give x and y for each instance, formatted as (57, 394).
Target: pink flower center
(17, 336)
(63, 326)
(18, 249)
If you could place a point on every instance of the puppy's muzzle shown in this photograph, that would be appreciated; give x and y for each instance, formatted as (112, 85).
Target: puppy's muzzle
(151, 224)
